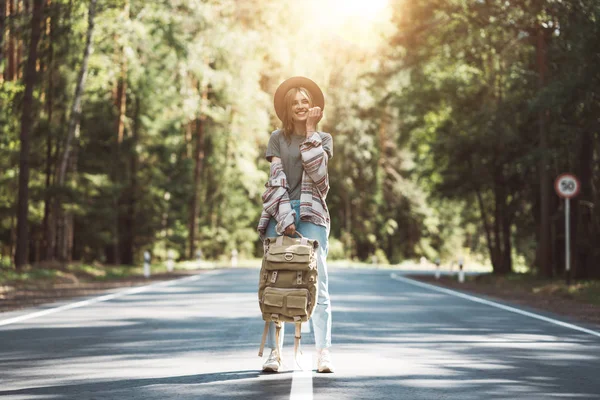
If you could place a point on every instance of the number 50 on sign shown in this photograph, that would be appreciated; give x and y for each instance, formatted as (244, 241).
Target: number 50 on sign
(567, 186)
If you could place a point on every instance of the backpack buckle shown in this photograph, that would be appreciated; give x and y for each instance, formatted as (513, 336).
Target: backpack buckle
(274, 277)
(288, 256)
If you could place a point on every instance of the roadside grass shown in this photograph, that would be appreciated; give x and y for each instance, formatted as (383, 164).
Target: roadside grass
(585, 291)
(74, 273)
(9, 275)
(41, 275)
(47, 274)
(52, 273)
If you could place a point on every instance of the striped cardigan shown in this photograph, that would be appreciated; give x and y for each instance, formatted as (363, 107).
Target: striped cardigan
(315, 186)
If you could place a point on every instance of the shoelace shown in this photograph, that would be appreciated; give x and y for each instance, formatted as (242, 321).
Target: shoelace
(324, 357)
(272, 357)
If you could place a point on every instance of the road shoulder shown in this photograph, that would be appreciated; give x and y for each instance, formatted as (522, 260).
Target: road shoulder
(523, 295)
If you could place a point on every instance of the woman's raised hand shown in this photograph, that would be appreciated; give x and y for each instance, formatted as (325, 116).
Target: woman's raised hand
(290, 230)
(314, 116)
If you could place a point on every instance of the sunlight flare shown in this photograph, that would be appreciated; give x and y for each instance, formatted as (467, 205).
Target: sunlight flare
(366, 9)
(357, 23)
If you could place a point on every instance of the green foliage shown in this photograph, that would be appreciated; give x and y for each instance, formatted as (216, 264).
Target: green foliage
(435, 126)
(470, 104)
(336, 249)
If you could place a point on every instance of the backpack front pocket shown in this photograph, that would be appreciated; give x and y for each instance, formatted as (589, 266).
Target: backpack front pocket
(297, 303)
(294, 257)
(286, 302)
(273, 299)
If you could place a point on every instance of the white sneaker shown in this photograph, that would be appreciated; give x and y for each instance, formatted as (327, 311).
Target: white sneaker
(273, 362)
(324, 364)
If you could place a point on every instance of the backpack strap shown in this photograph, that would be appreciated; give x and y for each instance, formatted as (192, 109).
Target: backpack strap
(277, 335)
(297, 337)
(264, 339)
(275, 320)
(303, 240)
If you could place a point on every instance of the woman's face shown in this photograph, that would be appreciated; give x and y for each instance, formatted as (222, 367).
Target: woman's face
(300, 106)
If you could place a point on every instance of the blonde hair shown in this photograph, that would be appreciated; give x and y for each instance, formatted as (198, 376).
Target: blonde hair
(288, 119)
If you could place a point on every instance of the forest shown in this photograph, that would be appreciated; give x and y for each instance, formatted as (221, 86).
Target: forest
(129, 126)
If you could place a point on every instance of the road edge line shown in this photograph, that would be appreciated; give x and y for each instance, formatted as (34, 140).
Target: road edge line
(100, 299)
(396, 277)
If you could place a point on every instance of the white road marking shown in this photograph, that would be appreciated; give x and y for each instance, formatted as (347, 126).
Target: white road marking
(302, 377)
(100, 299)
(302, 387)
(493, 304)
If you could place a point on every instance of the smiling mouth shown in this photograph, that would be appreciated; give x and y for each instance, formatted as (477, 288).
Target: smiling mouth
(300, 112)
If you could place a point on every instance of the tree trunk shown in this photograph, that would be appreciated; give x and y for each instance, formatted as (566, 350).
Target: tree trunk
(188, 139)
(503, 223)
(199, 164)
(11, 66)
(13, 237)
(507, 244)
(19, 45)
(128, 242)
(487, 228)
(3, 12)
(545, 266)
(32, 247)
(26, 125)
(121, 104)
(65, 241)
(582, 229)
(75, 120)
(113, 251)
(218, 216)
(595, 198)
(497, 225)
(486, 223)
(199, 152)
(47, 225)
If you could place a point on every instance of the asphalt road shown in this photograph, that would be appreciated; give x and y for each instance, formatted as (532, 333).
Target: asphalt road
(198, 339)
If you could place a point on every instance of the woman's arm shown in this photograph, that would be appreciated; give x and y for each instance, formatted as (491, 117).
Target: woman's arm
(314, 157)
(314, 161)
(291, 229)
(276, 200)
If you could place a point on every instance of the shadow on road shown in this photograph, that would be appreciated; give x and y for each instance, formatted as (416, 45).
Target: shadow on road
(391, 340)
(112, 387)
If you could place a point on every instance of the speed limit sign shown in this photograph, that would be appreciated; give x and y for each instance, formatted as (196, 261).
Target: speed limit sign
(567, 186)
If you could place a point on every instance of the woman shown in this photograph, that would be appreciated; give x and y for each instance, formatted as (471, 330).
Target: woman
(295, 196)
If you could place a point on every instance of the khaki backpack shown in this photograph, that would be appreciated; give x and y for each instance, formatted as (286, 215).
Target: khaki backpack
(287, 290)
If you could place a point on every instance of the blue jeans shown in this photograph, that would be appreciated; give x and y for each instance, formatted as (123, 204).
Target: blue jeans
(322, 314)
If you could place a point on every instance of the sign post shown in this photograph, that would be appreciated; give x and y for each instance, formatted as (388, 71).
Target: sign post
(234, 258)
(567, 186)
(170, 262)
(198, 258)
(147, 259)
